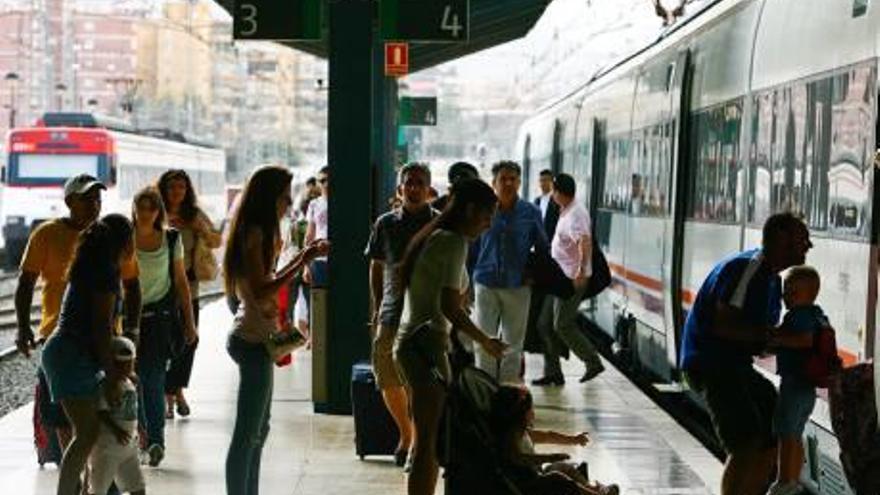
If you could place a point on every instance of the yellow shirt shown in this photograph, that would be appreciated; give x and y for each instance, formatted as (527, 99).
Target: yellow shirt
(49, 252)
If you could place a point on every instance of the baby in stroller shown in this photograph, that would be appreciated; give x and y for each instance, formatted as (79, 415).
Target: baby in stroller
(551, 474)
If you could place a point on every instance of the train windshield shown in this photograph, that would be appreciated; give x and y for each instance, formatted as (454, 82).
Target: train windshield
(52, 169)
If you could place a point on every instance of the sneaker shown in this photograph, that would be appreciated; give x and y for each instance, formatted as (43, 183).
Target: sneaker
(778, 488)
(592, 371)
(155, 453)
(549, 380)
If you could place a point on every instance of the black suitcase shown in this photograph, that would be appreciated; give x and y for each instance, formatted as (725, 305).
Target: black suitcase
(374, 430)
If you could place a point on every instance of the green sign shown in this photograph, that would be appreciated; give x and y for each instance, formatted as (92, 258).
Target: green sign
(418, 111)
(277, 20)
(425, 20)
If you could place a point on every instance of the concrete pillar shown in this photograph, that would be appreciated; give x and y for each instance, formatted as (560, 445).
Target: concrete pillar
(350, 121)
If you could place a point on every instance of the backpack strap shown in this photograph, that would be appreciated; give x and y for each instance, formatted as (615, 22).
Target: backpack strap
(173, 236)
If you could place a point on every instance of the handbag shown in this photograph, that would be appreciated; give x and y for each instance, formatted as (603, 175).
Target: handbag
(547, 275)
(205, 263)
(601, 277)
(281, 343)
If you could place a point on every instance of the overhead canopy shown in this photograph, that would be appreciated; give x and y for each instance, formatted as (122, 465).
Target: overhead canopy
(492, 23)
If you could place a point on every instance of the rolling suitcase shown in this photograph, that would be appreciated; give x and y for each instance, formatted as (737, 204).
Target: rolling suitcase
(374, 430)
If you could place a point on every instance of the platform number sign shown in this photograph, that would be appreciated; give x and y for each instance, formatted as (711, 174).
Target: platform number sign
(288, 20)
(420, 111)
(425, 20)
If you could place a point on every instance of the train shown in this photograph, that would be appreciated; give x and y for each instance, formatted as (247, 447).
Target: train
(682, 149)
(39, 160)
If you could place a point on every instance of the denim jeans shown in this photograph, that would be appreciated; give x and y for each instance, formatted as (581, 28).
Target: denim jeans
(152, 365)
(503, 313)
(252, 416)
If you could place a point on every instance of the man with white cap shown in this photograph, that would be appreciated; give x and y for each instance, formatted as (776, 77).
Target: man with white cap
(48, 254)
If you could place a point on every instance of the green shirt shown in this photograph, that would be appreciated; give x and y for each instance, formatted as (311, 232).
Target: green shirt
(154, 276)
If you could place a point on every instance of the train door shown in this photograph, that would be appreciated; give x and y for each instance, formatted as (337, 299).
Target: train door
(603, 310)
(871, 334)
(679, 82)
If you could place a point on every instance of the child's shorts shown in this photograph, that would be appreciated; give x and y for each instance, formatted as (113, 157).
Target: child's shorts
(119, 463)
(794, 407)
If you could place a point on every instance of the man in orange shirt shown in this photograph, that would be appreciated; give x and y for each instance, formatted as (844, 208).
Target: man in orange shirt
(48, 254)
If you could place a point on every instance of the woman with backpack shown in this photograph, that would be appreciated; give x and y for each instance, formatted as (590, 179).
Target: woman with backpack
(434, 279)
(167, 320)
(198, 236)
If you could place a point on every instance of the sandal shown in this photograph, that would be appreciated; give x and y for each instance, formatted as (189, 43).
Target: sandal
(182, 407)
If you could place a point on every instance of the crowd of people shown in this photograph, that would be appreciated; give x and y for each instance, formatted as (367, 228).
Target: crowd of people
(120, 322)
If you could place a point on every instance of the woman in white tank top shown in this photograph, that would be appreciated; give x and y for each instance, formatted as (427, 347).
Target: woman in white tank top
(249, 269)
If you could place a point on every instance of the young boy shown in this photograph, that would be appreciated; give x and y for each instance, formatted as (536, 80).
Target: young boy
(115, 455)
(797, 395)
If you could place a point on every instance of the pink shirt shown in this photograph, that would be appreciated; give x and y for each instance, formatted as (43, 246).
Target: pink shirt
(574, 223)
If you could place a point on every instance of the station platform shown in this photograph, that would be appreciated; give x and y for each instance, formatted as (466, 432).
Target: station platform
(633, 442)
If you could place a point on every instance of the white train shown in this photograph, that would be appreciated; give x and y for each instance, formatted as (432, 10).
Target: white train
(39, 159)
(683, 149)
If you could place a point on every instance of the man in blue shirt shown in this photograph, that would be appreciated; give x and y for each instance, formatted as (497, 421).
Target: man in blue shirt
(501, 295)
(730, 321)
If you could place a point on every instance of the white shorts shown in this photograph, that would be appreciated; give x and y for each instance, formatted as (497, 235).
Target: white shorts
(119, 464)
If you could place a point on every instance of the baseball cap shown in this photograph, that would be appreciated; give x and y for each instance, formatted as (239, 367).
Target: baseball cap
(123, 349)
(81, 184)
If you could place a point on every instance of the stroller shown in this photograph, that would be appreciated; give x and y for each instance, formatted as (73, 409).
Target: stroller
(466, 449)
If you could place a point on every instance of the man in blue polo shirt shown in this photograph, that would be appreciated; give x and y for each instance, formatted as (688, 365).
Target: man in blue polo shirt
(730, 322)
(501, 295)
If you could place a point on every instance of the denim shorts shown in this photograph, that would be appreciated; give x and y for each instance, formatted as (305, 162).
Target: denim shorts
(795, 405)
(71, 372)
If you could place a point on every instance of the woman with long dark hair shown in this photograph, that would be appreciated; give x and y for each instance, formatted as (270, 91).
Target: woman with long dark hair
(76, 354)
(249, 269)
(183, 212)
(165, 292)
(435, 279)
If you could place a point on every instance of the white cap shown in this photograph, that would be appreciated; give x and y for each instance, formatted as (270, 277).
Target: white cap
(81, 184)
(123, 349)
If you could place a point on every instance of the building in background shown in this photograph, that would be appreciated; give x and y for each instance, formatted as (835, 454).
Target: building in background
(163, 64)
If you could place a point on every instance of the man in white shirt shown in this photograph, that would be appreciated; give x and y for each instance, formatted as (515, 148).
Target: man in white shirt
(316, 273)
(572, 248)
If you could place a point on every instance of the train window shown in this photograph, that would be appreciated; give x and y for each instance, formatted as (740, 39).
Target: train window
(810, 151)
(649, 182)
(716, 157)
(616, 191)
(582, 171)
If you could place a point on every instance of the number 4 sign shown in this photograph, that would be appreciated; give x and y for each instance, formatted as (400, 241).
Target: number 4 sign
(425, 20)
